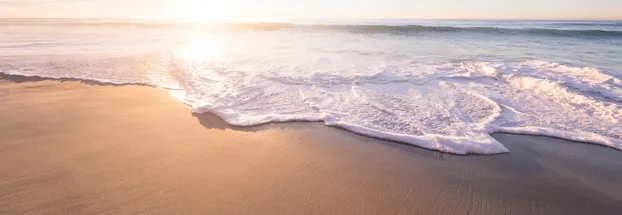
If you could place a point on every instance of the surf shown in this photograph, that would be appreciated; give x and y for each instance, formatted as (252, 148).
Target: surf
(441, 88)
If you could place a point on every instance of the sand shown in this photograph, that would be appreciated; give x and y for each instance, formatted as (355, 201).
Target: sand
(68, 147)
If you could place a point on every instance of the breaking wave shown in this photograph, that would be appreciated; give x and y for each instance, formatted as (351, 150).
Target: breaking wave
(352, 28)
(453, 109)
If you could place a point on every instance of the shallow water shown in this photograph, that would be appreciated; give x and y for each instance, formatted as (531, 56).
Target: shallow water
(441, 85)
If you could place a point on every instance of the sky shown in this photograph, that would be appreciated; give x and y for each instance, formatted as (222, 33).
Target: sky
(233, 10)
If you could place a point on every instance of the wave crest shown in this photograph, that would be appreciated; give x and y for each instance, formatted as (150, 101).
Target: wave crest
(352, 28)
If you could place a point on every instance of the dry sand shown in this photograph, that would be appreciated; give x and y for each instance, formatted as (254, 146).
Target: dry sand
(81, 148)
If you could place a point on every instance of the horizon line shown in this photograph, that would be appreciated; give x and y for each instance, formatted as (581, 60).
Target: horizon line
(439, 19)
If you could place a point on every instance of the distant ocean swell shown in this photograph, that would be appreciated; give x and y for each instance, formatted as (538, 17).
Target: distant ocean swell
(453, 109)
(359, 28)
(482, 30)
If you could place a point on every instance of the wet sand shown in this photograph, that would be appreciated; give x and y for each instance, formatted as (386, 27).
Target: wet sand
(84, 148)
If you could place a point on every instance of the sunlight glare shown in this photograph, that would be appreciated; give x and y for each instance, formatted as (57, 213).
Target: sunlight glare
(203, 11)
(200, 48)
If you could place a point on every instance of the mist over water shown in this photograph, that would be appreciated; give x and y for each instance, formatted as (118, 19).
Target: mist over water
(441, 85)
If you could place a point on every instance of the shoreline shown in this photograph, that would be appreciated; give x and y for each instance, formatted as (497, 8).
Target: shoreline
(25, 79)
(73, 148)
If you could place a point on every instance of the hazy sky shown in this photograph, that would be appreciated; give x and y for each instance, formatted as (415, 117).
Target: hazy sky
(207, 10)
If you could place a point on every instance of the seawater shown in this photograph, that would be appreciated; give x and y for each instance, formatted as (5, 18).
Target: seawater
(439, 84)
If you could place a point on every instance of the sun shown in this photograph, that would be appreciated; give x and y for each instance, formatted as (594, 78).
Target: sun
(203, 11)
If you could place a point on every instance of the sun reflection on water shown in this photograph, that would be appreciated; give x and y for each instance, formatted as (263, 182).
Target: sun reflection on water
(200, 49)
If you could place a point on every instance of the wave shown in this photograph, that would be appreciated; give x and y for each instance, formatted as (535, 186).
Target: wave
(352, 28)
(453, 109)
(601, 24)
(145, 24)
(483, 30)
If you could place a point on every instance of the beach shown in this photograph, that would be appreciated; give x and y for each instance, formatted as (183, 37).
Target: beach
(71, 147)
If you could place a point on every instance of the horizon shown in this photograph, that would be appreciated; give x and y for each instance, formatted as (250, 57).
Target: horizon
(247, 10)
(313, 19)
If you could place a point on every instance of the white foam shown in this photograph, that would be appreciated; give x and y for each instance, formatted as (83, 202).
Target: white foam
(434, 113)
(444, 113)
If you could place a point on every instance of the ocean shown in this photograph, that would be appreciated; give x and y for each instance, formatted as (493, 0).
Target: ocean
(443, 85)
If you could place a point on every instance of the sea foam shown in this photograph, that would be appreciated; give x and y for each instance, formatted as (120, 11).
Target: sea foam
(453, 110)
